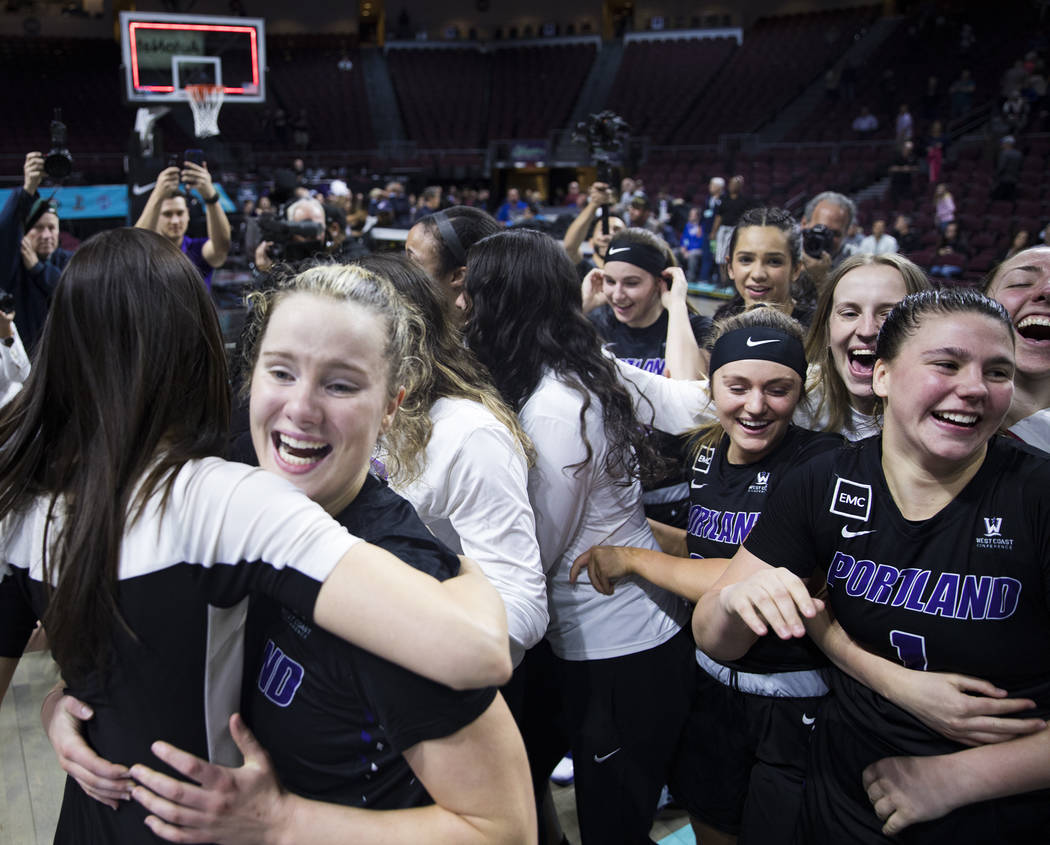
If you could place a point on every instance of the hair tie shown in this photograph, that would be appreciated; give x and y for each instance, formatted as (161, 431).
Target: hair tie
(449, 237)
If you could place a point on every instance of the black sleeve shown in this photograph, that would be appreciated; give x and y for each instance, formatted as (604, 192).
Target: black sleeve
(385, 519)
(413, 709)
(785, 535)
(701, 327)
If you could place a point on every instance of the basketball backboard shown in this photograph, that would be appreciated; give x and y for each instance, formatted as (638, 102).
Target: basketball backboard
(163, 53)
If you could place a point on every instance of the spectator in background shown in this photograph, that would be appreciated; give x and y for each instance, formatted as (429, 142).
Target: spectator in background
(513, 209)
(905, 125)
(931, 98)
(935, 146)
(430, 201)
(878, 242)
(961, 93)
(710, 223)
(734, 204)
(1013, 78)
(30, 257)
(588, 227)
(865, 123)
(1018, 243)
(836, 212)
(572, 193)
(1015, 112)
(907, 240)
(951, 255)
(943, 206)
(902, 172)
(1007, 170)
(167, 213)
(640, 216)
(854, 238)
(690, 246)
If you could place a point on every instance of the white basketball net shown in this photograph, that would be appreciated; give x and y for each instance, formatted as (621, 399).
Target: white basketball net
(205, 102)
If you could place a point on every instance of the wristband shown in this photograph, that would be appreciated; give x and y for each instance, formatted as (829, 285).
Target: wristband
(9, 341)
(214, 198)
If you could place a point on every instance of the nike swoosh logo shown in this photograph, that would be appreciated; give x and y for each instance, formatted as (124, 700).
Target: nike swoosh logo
(602, 759)
(751, 342)
(139, 190)
(618, 249)
(808, 720)
(696, 486)
(850, 534)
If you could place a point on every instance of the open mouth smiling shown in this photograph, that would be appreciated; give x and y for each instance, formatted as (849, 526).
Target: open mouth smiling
(297, 452)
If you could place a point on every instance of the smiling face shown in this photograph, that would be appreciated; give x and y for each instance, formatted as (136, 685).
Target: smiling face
(600, 241)
(859, 305)
(946, 392)
(633, 293)
(174, 219)
(319, 396)
(1022, 285)
(754, 401)
(761, 266)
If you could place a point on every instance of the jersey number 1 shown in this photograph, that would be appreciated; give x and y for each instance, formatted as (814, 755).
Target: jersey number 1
(911, 649)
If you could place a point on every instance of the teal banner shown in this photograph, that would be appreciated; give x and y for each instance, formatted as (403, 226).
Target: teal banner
(88, 202)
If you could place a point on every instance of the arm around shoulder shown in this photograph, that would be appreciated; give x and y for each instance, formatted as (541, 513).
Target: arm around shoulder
(453, 632)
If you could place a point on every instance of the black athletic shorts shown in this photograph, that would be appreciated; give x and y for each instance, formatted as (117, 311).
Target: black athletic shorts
(741, 765)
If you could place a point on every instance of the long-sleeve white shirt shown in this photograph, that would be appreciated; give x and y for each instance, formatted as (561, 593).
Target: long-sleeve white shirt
(472, 495)
(577, 508)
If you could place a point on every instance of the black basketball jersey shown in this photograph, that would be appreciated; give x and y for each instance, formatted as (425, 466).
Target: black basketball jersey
(336, 718)
(725, 502)
(964, 591)
(645, 348)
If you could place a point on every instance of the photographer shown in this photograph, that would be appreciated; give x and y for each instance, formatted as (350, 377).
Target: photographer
(825, 221)
(30, 257)
(167, 213)
(588, 227)
(301, 235)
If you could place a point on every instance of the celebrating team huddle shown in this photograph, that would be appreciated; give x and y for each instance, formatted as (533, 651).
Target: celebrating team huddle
(834, 625)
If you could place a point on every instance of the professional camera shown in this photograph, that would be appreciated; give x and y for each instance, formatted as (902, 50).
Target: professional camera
(817, 239)
(292, 241)
(604, 134)
(59, 163)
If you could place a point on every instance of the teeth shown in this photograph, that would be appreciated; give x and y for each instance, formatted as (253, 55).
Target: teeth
(753, 424)
(1034, 320)
(295, 460)
(862, 353)
(961, 419)
(295, 443)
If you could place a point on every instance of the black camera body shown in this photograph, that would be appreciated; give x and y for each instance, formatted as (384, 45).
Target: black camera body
(283, 235)
(59, 162)
(7, 301)
(816, 240)
(604, 134)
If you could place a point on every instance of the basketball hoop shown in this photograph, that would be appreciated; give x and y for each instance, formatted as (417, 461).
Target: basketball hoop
(205, 102)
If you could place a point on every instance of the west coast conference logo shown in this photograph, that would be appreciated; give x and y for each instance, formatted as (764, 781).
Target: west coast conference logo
(993, 535)
(761, 483)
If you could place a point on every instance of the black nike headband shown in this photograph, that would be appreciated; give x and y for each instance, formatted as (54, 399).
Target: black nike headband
(759, 343)
(647, 257)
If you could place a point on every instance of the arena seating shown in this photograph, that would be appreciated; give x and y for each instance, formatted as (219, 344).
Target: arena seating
(657, 80)
(534, 89)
